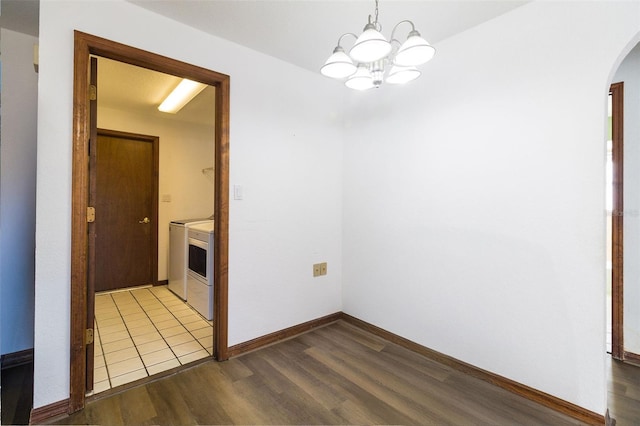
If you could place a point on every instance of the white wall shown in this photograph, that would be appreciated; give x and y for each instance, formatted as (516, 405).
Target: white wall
(473, 206)
(629, 73)
(474, 198)
(17, 190)
(285, 149)
(185, 149)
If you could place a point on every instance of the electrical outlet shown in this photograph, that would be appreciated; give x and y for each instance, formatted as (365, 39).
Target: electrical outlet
(319, 269)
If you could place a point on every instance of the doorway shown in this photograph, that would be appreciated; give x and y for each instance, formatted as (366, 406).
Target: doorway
(141, 332)
(86, 45)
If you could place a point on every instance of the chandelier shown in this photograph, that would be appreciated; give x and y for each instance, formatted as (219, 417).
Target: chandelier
(373, 60)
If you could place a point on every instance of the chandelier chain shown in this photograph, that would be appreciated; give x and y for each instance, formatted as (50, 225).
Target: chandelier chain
(376, 12)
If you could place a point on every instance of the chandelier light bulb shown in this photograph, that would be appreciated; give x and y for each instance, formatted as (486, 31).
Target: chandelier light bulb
(414, 51)
(339, 65)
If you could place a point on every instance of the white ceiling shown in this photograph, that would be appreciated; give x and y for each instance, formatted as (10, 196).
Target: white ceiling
(304, 32)
(301, 32)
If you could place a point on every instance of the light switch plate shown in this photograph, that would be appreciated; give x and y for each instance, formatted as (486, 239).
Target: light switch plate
(237, 192)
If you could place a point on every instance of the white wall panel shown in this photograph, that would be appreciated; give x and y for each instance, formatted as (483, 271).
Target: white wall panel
(17, 190)
(474, 197)
(286, 151)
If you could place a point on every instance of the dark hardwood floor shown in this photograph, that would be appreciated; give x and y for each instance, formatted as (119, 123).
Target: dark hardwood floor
(623, 394)
(338, 374)
(17, 394)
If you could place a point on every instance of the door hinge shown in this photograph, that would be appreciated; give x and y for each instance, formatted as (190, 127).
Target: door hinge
(93, 92)
(88, 336)
(91, 214)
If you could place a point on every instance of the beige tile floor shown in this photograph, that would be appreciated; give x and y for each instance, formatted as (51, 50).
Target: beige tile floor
(143, 331)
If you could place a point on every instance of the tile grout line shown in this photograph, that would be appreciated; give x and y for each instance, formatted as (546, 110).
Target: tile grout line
(138, 299)
(104, 355)
(106, 367)
(182, 324)
(130, 336)
(157, 329)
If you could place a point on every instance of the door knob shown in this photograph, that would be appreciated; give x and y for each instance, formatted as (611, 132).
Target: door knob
(145, 220)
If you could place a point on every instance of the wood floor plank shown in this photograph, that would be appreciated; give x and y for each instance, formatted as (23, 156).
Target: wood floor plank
(198, 403)
(169, 403)
(408, 382)
(296, 398)
(143, 412)
(220, 391)
(16, 405)
(236, 370)
(354, 413)
(337, 374)
(624, 392)
(410, 367)
(362, 378)
(358, 335)
(429, 395)
(376, 413)
(289, 365)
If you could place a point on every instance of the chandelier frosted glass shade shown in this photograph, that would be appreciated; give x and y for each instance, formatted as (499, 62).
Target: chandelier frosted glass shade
(339, 65)
(361, 80)
(402, 75)
(370, 46)
(414, 51)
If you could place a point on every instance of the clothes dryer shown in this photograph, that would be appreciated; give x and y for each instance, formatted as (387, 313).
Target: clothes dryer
(200, 269)
(178, 252)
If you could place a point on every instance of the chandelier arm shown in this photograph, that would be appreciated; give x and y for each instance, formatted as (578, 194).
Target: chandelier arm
(395, 41)
(346, 34)
(413, 28)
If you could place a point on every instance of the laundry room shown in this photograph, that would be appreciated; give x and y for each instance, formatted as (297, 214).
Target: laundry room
(152, 175)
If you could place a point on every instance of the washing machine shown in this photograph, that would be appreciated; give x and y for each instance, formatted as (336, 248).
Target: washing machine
(178, 254)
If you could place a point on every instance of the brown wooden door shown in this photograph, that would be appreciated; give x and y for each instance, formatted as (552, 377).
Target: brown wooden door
(126, 176)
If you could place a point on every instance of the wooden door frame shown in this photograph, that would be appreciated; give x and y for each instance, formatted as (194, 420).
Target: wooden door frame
(617, 216)
(85, 45)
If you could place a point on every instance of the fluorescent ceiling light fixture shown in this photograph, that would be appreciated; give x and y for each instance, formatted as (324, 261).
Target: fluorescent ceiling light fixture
(181, 95)
(373, 60)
